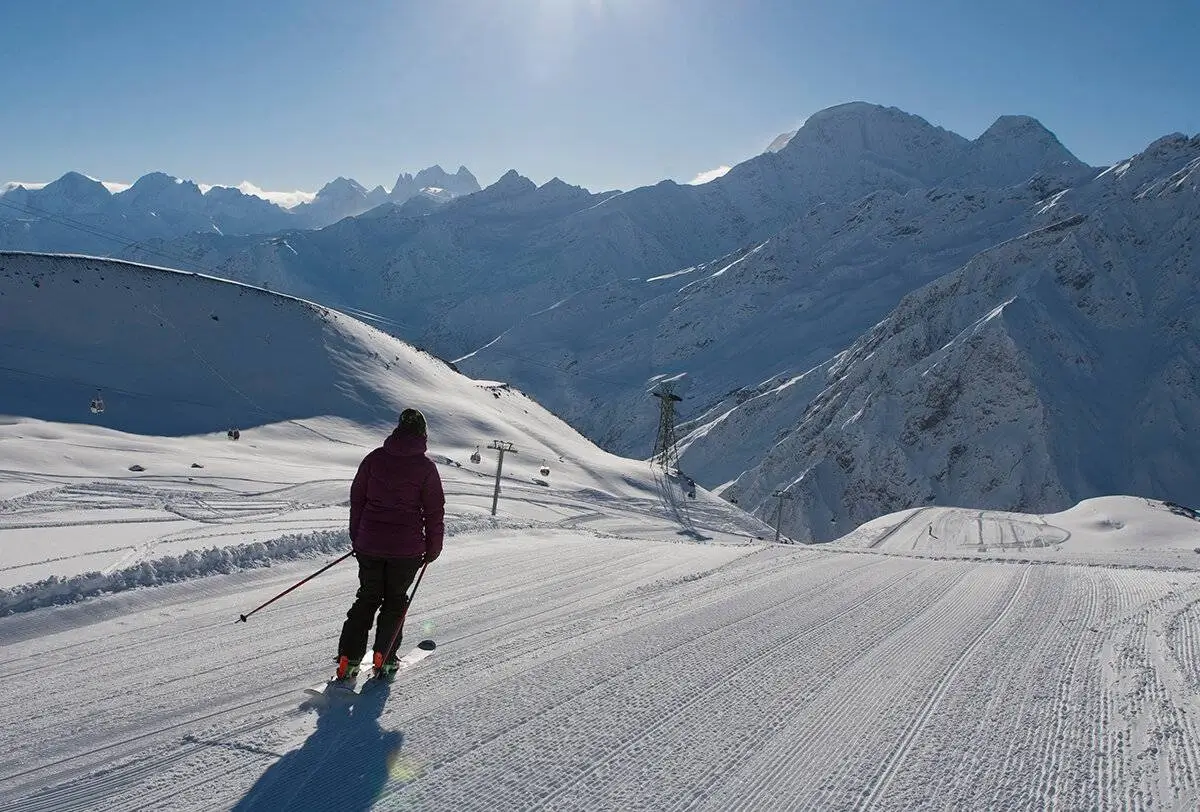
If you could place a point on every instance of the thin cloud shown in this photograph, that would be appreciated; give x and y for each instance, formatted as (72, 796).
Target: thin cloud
(285, 199)
(707, 175)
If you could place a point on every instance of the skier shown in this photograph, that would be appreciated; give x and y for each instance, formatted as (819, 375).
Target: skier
(396, 524)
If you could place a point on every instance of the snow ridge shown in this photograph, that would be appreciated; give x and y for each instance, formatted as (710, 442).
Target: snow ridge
(58, 591)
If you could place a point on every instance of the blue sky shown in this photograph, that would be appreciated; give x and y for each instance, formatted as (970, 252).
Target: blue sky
(603, 93)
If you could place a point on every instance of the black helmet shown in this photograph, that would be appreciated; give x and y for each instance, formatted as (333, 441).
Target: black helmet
(413, 422)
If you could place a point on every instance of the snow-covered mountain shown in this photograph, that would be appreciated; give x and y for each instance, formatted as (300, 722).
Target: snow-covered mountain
(435, 179)
(791, 299)
(341, 197)
(344, 197)
(533, 247)
(452, 273)
(752, 339)
(1055, 366)
(728, 325)
(78, 214)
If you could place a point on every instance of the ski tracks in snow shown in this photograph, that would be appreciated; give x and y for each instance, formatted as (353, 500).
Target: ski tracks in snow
(576, 672)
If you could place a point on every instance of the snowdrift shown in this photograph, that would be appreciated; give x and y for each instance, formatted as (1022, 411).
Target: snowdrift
(1111, 531)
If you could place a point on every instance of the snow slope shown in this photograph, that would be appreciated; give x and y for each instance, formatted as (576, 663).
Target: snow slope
(752, 318)
(179, 359)
(1120, 531)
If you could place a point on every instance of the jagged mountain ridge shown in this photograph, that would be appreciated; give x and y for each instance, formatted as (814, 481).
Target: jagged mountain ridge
(77, 213)
(344, 197)
(477, 268)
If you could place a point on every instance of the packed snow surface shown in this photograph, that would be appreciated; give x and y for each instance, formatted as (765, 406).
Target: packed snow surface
(578, 668)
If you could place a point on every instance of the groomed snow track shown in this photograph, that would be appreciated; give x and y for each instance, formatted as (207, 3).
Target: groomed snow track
(582, 672)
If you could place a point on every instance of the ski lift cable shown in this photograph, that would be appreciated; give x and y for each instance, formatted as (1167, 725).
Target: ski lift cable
(203, 359)
(564, 371)
(96, 231)
(181, 263)
(117, 389)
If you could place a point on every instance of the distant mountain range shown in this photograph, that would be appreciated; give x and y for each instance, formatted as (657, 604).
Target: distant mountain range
(77, 213)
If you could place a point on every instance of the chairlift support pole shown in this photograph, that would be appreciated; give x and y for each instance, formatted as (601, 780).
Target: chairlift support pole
(665, 451)
(501, 446)
(780, 495)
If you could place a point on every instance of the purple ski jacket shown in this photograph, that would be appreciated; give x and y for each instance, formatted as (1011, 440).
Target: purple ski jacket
(397, 505)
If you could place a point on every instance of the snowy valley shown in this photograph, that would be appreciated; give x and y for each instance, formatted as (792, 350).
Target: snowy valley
(823, 308)
(829, 310)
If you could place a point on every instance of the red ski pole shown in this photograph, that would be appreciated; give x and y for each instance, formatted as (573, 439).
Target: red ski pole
(425, 644)
(242, 618)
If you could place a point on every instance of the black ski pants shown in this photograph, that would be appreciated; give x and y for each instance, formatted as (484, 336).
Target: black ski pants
(382, 586)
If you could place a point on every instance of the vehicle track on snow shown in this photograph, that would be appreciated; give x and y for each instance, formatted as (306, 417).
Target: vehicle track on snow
(896, 759)
(839, 717)
(696, 652)
(565, 585)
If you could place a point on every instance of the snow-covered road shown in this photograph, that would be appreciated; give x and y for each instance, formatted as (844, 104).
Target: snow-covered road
(583, 672)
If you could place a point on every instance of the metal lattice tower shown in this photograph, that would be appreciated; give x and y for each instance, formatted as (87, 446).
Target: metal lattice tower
(665, 453)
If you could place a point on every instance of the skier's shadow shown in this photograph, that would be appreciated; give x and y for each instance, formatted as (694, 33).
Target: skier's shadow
(344, 765)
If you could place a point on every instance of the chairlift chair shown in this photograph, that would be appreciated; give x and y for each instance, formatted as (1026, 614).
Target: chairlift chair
(545, 469)
(98, 404)
(475, 458)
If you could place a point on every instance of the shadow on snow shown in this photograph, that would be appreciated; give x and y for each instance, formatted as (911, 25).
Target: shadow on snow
(344, 765)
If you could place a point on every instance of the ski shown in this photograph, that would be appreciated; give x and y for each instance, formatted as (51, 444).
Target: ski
(350, 688)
